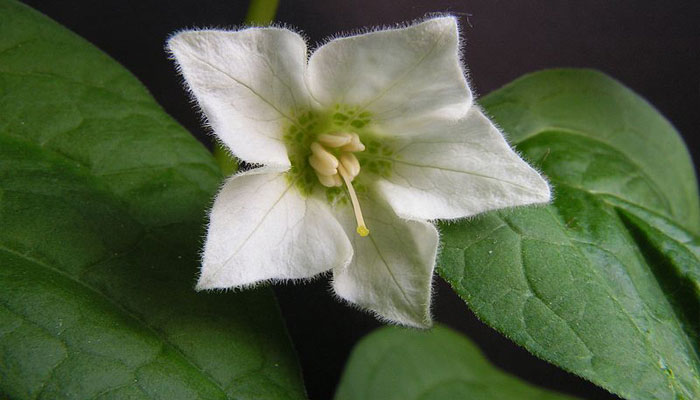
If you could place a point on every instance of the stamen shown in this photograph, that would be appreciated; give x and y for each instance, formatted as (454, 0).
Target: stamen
(329, 181)
(322, 166)
(361, 227)
(354, 145)
(350, 163)
(324, 155)
(335, 139)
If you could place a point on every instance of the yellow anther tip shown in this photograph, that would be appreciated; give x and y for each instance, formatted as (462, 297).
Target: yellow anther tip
(362, 231)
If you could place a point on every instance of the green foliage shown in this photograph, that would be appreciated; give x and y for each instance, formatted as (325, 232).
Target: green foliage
(603, 282)
(401, 364)
(102, 200)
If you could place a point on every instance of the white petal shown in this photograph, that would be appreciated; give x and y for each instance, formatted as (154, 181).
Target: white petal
(248, 83)
(261, 228)
(395, 73)
(460, 169)
(391, 273)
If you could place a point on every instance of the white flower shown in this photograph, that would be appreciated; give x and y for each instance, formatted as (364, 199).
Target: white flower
(375, 133)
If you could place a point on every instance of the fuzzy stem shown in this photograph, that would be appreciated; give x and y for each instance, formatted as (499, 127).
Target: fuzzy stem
(260, 12)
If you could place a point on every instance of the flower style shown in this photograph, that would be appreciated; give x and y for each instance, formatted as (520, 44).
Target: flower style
(360, 145)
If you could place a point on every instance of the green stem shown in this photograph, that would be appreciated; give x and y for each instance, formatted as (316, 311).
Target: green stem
(260, 12)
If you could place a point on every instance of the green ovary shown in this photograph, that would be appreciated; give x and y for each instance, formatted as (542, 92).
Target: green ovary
(375, 160)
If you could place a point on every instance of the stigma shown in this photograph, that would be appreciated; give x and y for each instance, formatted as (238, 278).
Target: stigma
(334, 162)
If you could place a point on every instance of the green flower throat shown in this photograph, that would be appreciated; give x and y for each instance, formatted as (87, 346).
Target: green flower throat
(337, 152)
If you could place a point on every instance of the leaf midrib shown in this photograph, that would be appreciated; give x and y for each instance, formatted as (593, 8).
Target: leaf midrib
(672, 382)
(572, 132)
(596, 194)
(676, 320)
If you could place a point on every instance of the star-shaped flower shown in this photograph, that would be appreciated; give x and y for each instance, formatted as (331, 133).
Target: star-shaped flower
(360, 146)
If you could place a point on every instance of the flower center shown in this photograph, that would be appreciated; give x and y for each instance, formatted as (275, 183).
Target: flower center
(334, 162)
(326, 149)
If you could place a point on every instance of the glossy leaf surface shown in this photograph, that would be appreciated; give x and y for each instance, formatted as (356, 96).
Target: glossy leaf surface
(403, 364)
(102, 201)
(603, 282)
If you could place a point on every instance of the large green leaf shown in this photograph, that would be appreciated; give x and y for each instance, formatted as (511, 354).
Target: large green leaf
(102, 199)
(401, 364)
(603, 282)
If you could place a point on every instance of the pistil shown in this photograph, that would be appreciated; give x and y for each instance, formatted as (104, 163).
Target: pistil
(361, 227)
(339, 165)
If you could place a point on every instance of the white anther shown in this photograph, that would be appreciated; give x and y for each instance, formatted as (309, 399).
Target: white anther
(322, 165)
(329, 180)
(324, 155)
(335, 139)
(350, 163)
(354, 145)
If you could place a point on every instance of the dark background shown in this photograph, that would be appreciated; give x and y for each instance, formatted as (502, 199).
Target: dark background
(651, 46)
